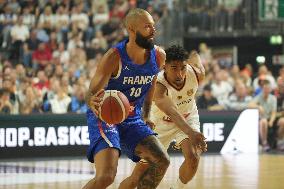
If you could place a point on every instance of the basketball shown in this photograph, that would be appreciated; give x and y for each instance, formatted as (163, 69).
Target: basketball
(114, 108)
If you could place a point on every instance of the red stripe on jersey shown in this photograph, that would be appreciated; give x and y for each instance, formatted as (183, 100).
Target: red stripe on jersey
(158, 58)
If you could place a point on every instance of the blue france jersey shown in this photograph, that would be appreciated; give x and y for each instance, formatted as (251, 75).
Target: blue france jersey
(134, 80)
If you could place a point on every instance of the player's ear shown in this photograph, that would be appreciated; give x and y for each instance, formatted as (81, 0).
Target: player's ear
(131, 29)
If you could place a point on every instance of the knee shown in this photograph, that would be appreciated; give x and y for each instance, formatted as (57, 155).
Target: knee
(263, 123)
(165, 160)
(161, 161)
(281, 122)
(105, 179)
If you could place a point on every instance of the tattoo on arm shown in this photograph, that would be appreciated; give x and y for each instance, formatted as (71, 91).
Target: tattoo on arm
(152, 151)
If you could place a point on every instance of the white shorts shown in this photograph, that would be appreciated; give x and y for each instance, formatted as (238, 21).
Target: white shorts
(168, 131)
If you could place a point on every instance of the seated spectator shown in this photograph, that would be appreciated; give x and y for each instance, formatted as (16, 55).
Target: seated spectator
(279, 130)
(19, 34)
(207, 101)
(100, 17)
(59, 103)
(221, 88)
(9, 84)
(41, 82)
(41, 57)
(30, 103)
(263, 73)
(5, 104)
(267, 105)
(239, 100)
(78, 104)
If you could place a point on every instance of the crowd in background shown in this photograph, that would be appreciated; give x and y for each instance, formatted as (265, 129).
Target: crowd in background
(50, 50)
(219, 15)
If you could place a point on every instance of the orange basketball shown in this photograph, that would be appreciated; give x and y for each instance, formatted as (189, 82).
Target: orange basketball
(115, 107)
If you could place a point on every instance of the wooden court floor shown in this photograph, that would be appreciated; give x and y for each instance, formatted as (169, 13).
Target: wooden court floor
(263, 171)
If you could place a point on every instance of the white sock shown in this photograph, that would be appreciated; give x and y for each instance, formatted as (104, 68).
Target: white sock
(179, 184)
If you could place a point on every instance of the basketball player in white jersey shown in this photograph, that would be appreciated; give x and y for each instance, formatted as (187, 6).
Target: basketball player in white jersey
(175, 113)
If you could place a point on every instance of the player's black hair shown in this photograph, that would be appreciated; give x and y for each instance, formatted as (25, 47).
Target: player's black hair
(176, 53)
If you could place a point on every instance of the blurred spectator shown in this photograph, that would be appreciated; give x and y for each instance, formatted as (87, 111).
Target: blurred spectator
(279, 93)
(75, 41)
(101, 40)
(52, 44)
(9, 85)
(41, 57)
(62, 23)
(7, 20)
(78, 104)
(59, 103)
(109, 30)
(267, 105)
(94, 49)
(80, 22)
(62, 54)
(119, 9)
(239, 100)
(221, 88)
(19, 34)
(263, 74)
(47, 19)
(100, 17)
(28, 18)
(5, 104)
(207, 100)
(30, 103)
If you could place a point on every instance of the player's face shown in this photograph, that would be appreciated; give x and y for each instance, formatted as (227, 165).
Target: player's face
(145, 32)
(176, 72)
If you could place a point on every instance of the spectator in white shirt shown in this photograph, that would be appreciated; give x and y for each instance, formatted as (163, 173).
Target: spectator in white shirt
(220, 88)
(47, 19)
(28, 18)
(100, 17)
(62, 22)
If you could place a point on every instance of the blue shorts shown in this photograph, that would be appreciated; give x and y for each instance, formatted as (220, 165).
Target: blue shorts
(124, 136)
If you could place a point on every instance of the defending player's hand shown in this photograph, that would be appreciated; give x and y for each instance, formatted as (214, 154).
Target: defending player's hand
(95, 101)
(198, 141)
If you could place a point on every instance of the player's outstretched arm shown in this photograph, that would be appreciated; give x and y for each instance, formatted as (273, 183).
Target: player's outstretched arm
(195, 61)
(165, 104)
(107, 67)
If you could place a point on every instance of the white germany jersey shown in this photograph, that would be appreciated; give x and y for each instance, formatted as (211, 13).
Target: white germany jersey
(183, 98)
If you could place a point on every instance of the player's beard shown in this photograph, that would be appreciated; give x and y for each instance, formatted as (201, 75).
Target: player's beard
(144, 42)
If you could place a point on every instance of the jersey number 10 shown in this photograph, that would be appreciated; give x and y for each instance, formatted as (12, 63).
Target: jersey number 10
(135, 92)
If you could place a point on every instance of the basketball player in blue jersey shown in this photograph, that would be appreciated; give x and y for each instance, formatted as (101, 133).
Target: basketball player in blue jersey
(175, 113)
(130, 67)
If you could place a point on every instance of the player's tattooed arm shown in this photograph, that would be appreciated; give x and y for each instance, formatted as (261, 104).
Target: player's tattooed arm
(100, 79)
(195, 61)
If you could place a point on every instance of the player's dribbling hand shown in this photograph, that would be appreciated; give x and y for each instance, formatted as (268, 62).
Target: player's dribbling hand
(198, 141)
(95, 101)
